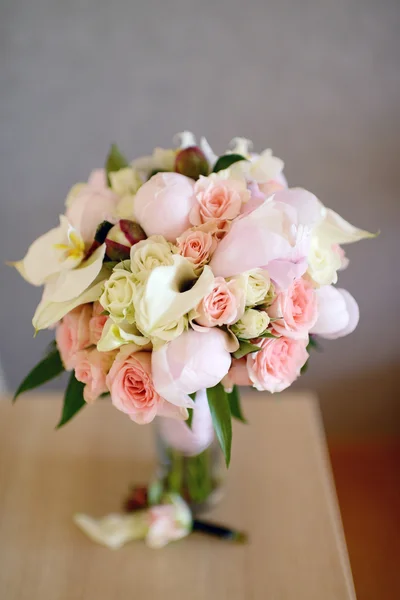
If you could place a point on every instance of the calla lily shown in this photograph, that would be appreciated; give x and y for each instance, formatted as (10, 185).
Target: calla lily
(338, 313)
(336, 230)
(49, 312)
(116, 335)
(169, 293)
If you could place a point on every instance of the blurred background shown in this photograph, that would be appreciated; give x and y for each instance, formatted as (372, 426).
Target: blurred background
(316, 81)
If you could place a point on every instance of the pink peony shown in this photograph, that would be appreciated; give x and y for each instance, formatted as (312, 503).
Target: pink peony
(277, 364)
(224, 305)
(237, 374)
(73, 334)
(91, 368)
(197, 246)
(96, 323)
(338, 313)
(218, 199)
(192, 362)
(162, 205)
(91, 205)
(295, 309)
(132, 390)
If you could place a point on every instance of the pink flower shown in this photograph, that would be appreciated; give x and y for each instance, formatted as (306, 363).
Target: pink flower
(193, 361)
(272, 186)
(197, 246)
(73, 334)
(96, 323)
(338, 313)
(218, 199)
(237, 374)
(162, 205)
(224, 305)
(277, 364)
(91, 205)
(295, 309)
(132, 390)
(91, 368)
(275, 236)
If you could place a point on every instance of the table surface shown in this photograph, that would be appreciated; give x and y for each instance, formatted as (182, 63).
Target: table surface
(279, 489)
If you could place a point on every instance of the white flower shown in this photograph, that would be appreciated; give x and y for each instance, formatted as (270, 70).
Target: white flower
(125, 183)
(149, 254)
(323, 262)
(115, 335)
(160, 160)
(170, 292)
(251, 325)
(118, 295)
(258, 286)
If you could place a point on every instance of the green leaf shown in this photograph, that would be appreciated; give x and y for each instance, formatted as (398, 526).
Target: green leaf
(221, 417)
(48, 368)
(115, 161)
(312, 343)
(268, 334)
(73, 400)
(190, 411)
(304, 368)
(226, 161)
(245, 348)
(234, 403)
(101, 232)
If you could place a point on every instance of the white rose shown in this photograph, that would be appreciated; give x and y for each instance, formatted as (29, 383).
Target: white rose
(125, 183)
(251, 325)
(117, 297)
(149, 254)
(323, 262)
(258, 286)
(115, 335)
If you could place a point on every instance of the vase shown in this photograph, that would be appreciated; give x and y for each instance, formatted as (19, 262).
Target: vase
(190, 461)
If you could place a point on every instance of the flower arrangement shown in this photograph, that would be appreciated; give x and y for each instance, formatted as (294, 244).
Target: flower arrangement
(182, 272)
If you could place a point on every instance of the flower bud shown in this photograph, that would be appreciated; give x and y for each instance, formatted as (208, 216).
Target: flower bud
(191, 162)
(121, 238)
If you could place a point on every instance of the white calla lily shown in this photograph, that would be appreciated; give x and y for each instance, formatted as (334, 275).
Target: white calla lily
(336, 230)
(116, 335)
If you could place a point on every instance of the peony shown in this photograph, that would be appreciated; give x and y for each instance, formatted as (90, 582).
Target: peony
(295, 310)
(197, 246)
(193, 361)
(162, 205)
(218, 199)
(91, 369)
(118, 295)
(96, 323)
(73, 334)
(276, 236)
(338, 313)
(91, 204)
(132, 390)
(149, 254)
(252, 324)
(223, 305)
(277, 364)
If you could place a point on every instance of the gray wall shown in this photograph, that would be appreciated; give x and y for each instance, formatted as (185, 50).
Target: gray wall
(318, 81)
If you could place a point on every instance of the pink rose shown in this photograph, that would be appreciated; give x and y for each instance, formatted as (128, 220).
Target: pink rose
(162, 205)
(73, 334)
(93, 204)
(338, 313)
(132, 390)
(91, 368)
(224, 305)
(275, 236)
(96, 323)
(277, 364)
(295, 309)
(237, 374)
(197, 246)
(218, 199)
(192, 362)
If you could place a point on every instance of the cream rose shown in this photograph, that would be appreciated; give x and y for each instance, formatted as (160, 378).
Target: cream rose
(149, 254)
(118, 295)
(258, 287)
(251, 325)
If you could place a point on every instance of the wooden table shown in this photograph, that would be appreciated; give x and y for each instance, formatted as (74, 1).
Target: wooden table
(279, 489)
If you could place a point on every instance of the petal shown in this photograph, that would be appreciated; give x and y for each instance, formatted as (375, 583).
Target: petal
(338, 313)
(116, 335)
(164, 382)
(48, 313)
(335, 230)
(41, 261)
(70, 284)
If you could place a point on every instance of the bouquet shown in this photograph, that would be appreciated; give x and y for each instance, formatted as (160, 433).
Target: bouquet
(182, 272)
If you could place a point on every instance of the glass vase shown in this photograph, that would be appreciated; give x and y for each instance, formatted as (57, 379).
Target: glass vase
(190, 461)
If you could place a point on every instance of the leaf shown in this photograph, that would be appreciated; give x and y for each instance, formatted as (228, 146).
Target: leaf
(304, 368)
(73, 400)
(221, 417)
(234, 403)
(226, 161)
(101, 232)
(268, 334)
(312, 343)
(190, 411)
(245, 348)
(48, 368)
(115, 161)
